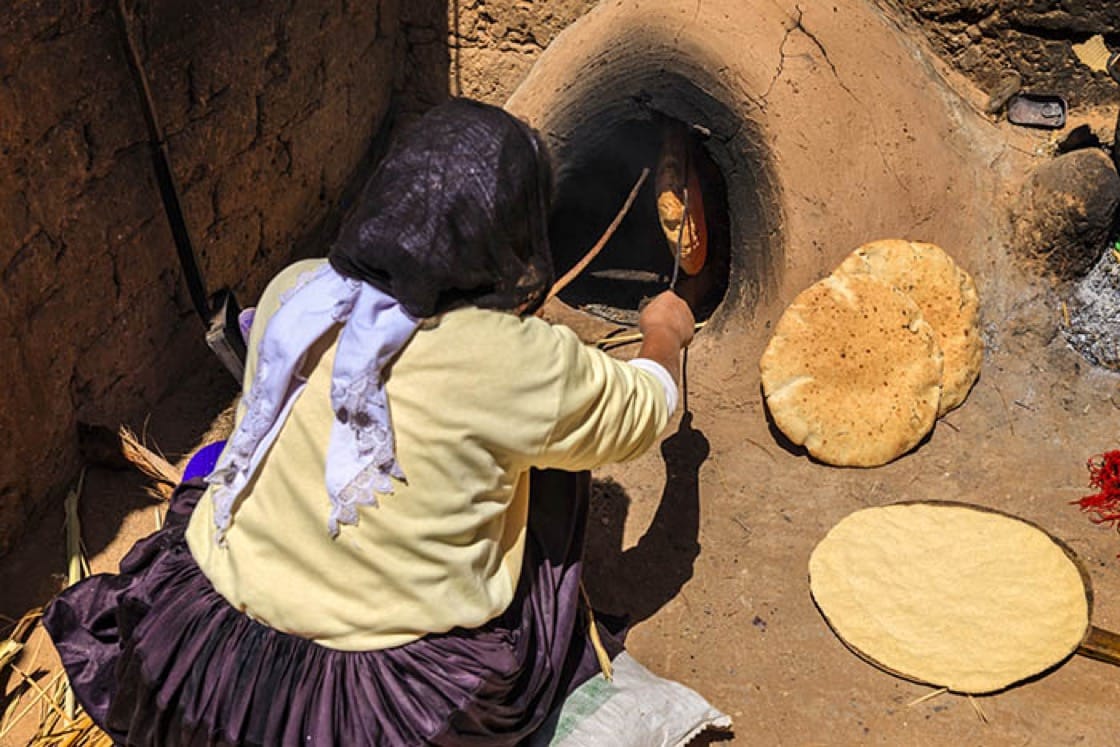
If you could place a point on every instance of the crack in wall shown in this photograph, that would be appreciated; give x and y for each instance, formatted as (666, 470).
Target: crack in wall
(781, 61)
(695, 15)
(819, 45)
(799, 25)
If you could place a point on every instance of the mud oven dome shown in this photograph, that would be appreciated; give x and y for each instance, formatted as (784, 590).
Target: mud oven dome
(603, 131)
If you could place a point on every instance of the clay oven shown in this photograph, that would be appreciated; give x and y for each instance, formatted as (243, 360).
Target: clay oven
(604, 128)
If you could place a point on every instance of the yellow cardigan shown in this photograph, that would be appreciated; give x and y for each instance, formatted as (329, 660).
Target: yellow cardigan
(476, 399)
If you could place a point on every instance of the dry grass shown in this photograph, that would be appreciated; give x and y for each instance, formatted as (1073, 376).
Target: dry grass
(61, 723)
(57, 730)
(45, 695)
(163, 473)
(37, 692)
(221, 427)
(17, 637)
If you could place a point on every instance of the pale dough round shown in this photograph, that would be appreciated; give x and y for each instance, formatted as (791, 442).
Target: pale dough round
(853, 372)
(950, 595)
(944, 292)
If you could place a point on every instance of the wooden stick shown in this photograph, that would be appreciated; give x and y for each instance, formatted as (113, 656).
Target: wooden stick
(76, 569)
(579, 267)
(10, 716)
(928, 696)
(42, 696)
(14, 644)
(633, 337)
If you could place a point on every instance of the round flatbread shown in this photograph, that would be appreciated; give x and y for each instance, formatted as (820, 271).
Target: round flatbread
(853, 372)
(951, 595)
(673, 181)
(944, 292)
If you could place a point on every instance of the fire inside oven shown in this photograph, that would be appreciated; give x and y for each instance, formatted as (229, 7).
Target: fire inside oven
(638, 261)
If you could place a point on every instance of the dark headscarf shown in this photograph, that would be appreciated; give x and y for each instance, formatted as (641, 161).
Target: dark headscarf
(456, 214)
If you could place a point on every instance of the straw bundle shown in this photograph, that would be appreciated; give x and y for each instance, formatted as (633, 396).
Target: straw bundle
(61, 724)
(1093, 54)
(17, 639)
(151, 463)
(61, 721)
(56, 730)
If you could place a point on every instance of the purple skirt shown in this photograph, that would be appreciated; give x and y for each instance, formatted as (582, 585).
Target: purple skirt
(157, 657)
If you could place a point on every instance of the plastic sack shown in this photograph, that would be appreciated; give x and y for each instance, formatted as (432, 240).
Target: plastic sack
(635, 709)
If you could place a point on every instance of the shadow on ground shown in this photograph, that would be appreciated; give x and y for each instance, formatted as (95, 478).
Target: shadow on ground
(633, 584)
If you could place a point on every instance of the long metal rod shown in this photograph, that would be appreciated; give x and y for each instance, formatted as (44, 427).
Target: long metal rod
(684, 218)
(165, 177)
(680, 238)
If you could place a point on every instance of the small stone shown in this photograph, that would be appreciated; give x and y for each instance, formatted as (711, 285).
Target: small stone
(1007, 85)
(1066, 213)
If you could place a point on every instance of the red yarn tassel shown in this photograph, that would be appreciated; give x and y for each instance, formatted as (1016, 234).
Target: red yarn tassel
(1104, 475)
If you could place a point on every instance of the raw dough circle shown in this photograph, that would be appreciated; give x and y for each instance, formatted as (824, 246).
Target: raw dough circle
(951, 595)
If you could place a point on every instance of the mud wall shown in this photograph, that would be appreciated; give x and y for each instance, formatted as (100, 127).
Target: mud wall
(476, 48)
(268, 107)
(1027, 40)
(495, 42)
(489, 45)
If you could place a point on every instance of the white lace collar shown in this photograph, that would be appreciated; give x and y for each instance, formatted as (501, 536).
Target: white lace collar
(361, 457)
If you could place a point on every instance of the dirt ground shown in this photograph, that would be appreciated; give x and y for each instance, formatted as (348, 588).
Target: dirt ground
(704, 543)
(716, 531)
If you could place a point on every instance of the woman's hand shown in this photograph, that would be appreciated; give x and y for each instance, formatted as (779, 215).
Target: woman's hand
(667, 326)
(669, 315)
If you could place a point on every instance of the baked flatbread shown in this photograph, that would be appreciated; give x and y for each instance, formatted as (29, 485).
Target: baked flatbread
(853, 372)
(951, 595)
(672, 177)
(944, 292)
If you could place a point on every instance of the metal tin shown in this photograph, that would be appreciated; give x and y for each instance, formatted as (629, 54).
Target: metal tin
(1037, 110)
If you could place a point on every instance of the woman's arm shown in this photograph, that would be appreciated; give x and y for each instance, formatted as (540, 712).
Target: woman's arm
(667, 326)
